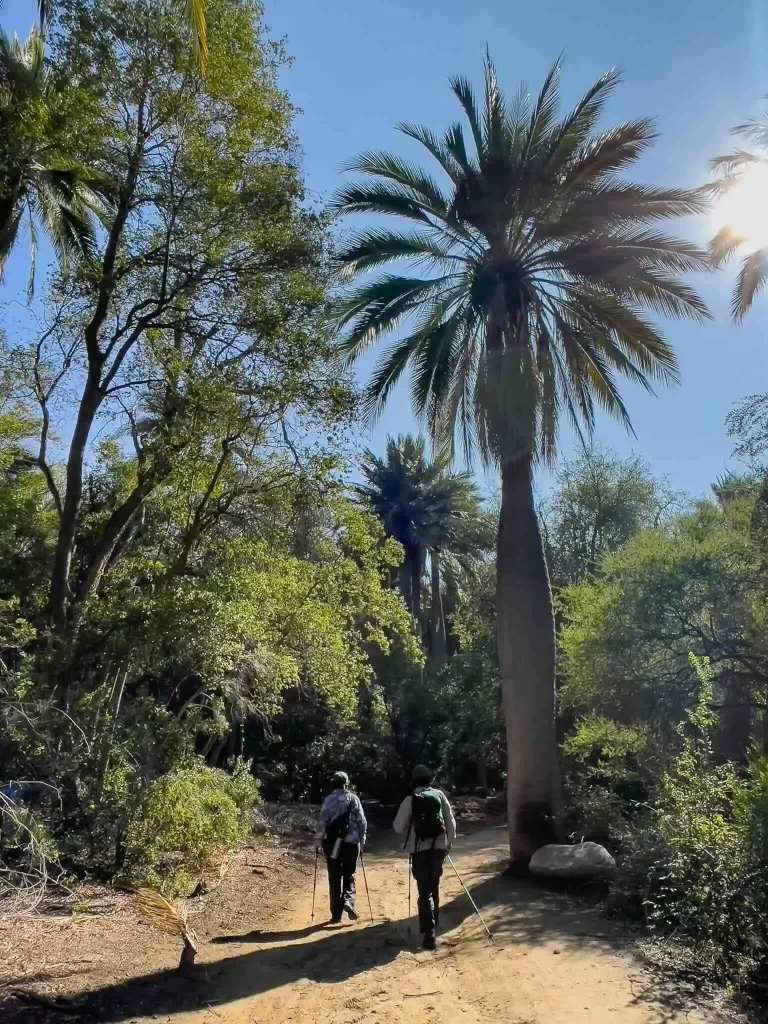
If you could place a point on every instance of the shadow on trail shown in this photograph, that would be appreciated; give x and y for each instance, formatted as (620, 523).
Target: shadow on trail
(260, 936)
(517, 913)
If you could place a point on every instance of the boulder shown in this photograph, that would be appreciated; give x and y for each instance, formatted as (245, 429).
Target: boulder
(581, 862)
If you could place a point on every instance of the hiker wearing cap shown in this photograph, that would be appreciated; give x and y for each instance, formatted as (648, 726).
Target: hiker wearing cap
(341, 827)
(426, 820)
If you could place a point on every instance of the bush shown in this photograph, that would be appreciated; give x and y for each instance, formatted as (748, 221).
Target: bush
(603, 784)
(184, 819)
(696, 862)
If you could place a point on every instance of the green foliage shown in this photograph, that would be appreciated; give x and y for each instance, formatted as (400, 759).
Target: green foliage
(598, 502)
(169, 585)
(692, 585)
(184, 819)
(605, 749)
(697, 861)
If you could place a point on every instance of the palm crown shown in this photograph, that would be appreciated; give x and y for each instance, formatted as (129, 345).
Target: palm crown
(753, 273)
(418, 500)
(533, 267)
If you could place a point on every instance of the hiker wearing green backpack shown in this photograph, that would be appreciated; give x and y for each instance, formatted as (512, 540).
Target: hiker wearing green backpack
(426, 820)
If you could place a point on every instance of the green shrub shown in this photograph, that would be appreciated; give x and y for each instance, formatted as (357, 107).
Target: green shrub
(696, 862)
(184, 819)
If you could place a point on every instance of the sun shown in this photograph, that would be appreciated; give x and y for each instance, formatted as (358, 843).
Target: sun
(744, 207)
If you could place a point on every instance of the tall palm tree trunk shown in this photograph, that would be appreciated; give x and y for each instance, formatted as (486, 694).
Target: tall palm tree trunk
(436, 614)
(526, 646)
(416, 560)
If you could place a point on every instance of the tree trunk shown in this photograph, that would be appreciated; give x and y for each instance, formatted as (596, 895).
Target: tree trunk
(734, 736)
(65, 541)
(404, 582)
(417, 568)
(526, 645)
(436, 616)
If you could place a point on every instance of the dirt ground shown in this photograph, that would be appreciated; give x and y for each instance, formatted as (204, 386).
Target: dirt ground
(555, 960)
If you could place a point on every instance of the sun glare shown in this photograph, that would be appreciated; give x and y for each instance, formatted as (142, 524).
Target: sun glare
(744, 208)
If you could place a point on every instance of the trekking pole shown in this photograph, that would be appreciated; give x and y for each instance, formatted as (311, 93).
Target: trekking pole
(365, 879)
(409, 893)
(469, 894)
(314, 887)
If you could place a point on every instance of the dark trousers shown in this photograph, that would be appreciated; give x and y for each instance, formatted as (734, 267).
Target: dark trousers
(341, 875)
(427, 868)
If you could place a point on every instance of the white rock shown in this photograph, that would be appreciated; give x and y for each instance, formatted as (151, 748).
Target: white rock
(581, 861)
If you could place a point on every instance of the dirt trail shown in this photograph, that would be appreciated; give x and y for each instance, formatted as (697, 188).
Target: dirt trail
(554, 962)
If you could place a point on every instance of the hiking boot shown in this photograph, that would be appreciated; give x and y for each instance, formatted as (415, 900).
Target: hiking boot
(335, 919)
(429, 941)
(350, 911)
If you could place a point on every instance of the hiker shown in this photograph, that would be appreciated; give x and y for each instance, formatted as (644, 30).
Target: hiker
(341, 827)
(426, 820)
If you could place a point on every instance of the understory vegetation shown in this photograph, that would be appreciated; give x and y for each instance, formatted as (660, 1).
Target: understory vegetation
(212, 596)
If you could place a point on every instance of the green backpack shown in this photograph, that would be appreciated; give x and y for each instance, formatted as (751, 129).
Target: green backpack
(427, 815)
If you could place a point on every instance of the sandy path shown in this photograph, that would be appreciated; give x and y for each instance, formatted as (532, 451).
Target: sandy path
(554, 961)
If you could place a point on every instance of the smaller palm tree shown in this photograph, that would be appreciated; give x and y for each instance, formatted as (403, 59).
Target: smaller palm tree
(421, 504)
(38, 180)
(732, 169)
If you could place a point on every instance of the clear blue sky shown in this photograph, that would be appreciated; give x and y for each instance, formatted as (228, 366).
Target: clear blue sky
(698, 66)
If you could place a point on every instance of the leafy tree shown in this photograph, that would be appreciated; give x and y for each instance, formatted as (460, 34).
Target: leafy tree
(42, 180)
(207, 275)
(599, 501)
(193, 12)
(540, 265)
(731, 169)
(211, 561)
(695, 586)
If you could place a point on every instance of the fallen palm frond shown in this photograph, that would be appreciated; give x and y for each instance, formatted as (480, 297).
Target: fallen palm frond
(167, 917)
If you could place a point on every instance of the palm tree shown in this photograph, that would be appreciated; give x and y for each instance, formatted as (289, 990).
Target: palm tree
(531, 268)
(194, 18)
(36, 177)
(420, 503)
(732, 167)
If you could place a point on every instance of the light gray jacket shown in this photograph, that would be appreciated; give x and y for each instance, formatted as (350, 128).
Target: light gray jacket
(402, 825)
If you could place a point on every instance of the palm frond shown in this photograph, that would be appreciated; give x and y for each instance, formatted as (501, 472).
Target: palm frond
(730, 163)
(434, 147)
(160, 912)
(751, 280)
(410, 176)
(575, 129)
(377, 307)
(724, 245)
(610, 152)
(194, 17)
(378, 246)
(495, 122)
(465, 94)
(544, 112)
(380, 197)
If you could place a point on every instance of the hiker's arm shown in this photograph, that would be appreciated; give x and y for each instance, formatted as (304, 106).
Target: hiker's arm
(450, 821)
(403, 818)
